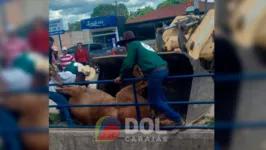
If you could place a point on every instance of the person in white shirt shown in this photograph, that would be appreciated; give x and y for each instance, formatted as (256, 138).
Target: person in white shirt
(60, 78)
(65, 77)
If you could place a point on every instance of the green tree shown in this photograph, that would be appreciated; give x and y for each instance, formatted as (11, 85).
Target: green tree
(108, 9)
(74, 26)
(140, 12)
(169, 2)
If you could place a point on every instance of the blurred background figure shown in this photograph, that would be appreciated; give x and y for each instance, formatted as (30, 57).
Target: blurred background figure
(12, 46)
(38, 36)
(26, 31)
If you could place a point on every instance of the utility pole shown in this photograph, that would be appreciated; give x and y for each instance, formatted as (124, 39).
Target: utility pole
(116, 8)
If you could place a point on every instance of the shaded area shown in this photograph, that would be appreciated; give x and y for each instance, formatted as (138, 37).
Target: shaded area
(226, 93)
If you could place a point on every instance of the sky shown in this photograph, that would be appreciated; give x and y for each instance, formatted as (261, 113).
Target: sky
(76, 10)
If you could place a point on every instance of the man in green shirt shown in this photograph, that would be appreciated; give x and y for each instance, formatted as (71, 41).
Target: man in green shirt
(152, 66)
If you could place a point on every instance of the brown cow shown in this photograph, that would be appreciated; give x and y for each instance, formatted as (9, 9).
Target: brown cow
(90, 115)
(83, 95)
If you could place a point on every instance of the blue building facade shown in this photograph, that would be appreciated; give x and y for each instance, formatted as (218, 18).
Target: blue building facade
(106, 30)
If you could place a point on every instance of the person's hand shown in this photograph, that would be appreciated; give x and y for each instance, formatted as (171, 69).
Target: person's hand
(60, 84)
(117, 80)
(137, 72)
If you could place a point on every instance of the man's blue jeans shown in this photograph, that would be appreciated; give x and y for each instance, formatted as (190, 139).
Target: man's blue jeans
(157, 96)
(64, 111)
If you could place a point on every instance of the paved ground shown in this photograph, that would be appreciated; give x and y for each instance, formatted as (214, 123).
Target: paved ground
(83, 139)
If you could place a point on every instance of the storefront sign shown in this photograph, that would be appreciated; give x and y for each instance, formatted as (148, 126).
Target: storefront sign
(98, 22)
(56, 27)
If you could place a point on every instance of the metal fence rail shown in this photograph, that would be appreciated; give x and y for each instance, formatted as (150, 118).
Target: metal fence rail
(13, 129)
(219, 78)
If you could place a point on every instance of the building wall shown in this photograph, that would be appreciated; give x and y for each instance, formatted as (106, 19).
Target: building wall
(19, 12)
(70, 39)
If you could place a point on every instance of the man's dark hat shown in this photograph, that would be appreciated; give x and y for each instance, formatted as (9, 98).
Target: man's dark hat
(127, 37)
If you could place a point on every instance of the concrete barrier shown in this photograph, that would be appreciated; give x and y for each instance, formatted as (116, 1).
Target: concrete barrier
(84, 139)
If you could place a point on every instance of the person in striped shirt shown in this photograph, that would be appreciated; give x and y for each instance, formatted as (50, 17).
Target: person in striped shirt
(65, 58)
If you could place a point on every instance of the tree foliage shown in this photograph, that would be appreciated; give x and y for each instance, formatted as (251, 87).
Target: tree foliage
(74, 26)
(169, 2)
(140, 12)
(108, 9)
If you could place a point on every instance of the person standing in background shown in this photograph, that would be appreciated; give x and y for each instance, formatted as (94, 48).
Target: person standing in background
(12, 46)
(55, 55)
(38, 36)
(81, 55)
(65, 58)
(51, 42)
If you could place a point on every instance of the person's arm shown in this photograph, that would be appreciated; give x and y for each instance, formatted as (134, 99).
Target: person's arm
(129, 61)
(73, 59)
(60, 60)
(56, 77)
